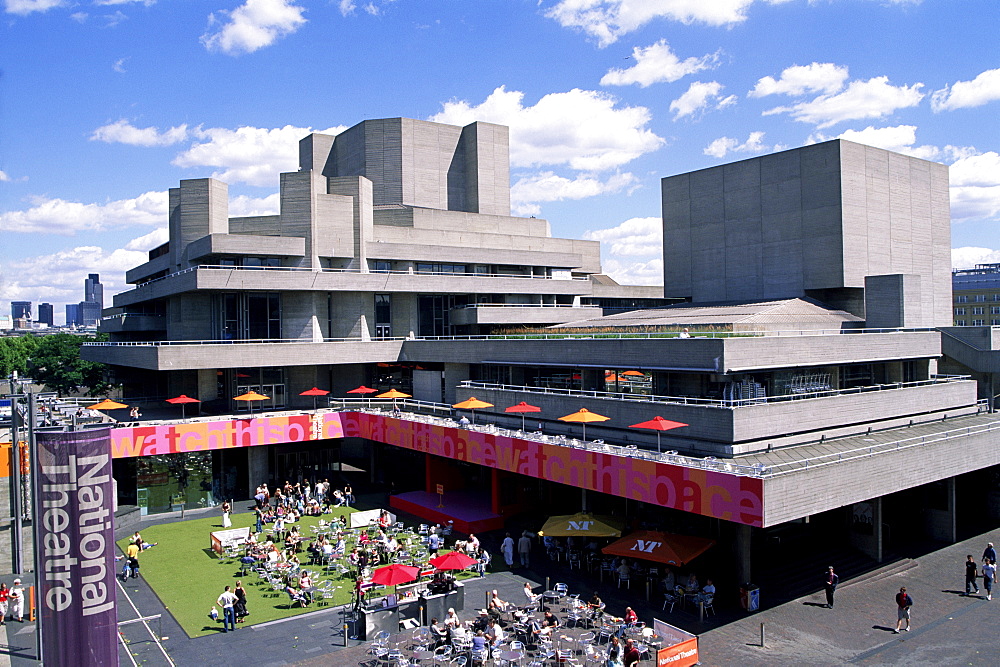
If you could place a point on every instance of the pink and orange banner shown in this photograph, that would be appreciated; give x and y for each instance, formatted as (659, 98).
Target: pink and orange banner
(709, 493)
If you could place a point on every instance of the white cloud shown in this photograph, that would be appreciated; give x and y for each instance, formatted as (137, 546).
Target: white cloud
(58, 216)
(79, 17)
(249, 155)
(123, 132)
(801, 79)
(58, 278)
(964, 94)
(975, 186)
(547, 186)
(583, 129)
(347, 7)
(119, 66)
(25, 7)
(147, 242)
(111, 20)
(723, 145)
(252, 26)
(148, 3)
(969, 256)
(243, 206)
(657, 63)
(636, 237)
(634, 273)
(699, 98)
(874, 98)
(607, 20)
(4, 176)
(899, 139)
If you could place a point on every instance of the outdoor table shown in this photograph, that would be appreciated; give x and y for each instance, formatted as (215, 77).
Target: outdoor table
(551, 595)
(510, 656)
(422, 655)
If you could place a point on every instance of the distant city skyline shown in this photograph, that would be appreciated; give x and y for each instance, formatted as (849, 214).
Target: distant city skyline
(602, 99)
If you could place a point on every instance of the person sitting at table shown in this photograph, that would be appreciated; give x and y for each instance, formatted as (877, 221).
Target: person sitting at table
(692, 585)
(273, 556)
(669, 581)
(630, 618)
(495, 633)
(267, 515)
(452, 620)
(305, 584)
(706, 594)
(472, 545)
(496, 606)
(439, 631)
(479, 642)
(595, 605)
(623, 569)
(549, 621)
(296, 596)
(532, 598)
(294, 564)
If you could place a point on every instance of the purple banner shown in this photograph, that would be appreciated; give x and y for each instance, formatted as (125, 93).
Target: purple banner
(75, 538)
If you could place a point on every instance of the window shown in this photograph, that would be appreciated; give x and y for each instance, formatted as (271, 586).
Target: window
(978, 323)
(978, 310)
(996, 297)
(381, 266)
(959, 323)
(994, 310)
(960, 311)
(995, 323)
(383, 316)
(424, 267)
(962, 298)
(980, 297)
(248, 316)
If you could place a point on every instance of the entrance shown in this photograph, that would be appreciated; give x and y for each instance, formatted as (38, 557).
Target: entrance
(294, 462)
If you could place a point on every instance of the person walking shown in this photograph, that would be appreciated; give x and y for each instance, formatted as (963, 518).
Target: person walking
(524, 549)
(16, 595)
(228, 601)
(989, 553)
(971, 574)
(830, 586)
(903, 604)
(507, 547)
(989, 577)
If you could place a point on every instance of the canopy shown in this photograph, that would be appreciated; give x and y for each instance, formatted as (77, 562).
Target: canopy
(582, 524)
(658, 424)
(668, 548)
(472, 403)
(182, 401)
(523, 407)
(390, 575)
(251, 396)
(453, 560)
(634, 373)
(392, 393)
(583, 416)
(314, 392)
(362, 390)
(107, 404)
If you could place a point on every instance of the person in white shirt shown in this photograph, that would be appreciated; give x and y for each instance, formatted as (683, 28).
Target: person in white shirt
(16, 595)
(227, 601)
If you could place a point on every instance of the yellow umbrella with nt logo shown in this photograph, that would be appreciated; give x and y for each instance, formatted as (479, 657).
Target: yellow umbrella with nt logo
(250, 397)
(583, 416)
(582, 524)
(471, 404)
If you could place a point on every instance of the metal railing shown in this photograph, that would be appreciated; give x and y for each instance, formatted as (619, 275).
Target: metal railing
(710, 402)
(525, 305)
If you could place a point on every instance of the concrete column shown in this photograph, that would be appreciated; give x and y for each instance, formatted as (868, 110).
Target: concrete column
(743, 553)
(257, 466)
(865, 529)
(453, 374)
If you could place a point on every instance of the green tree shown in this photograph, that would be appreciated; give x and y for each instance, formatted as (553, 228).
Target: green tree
(56, 363)
(14, 354)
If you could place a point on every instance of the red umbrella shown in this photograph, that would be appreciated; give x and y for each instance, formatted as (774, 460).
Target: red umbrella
(658, 424)
(390, 575)
(363, 390)
(523, 407)
(453, 560)
(182, 400)
(314, 392)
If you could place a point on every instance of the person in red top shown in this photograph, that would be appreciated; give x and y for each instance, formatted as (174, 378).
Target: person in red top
(631, 653)
(631, 618)
(903, 602)
(3, 603)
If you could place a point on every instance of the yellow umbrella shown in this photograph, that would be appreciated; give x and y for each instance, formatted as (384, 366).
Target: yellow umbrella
(250, 397)
(582, 416)
(582, 524)
(393, 394)
(471, 404)
(107, 404)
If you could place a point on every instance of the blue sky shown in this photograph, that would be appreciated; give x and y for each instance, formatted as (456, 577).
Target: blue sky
(106, 104)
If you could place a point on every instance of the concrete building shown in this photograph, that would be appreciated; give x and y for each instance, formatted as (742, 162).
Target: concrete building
(810, 383)
(20, 310)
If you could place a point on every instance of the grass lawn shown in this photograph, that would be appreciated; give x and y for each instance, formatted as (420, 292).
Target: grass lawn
(188, 576)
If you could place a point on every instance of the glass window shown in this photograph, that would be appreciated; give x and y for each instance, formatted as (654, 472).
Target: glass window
(977, 310)
(978, 323)
(962, 298)
(960, 311)
(980, 297)
(383, 316)
(959, 323)
(381, 266)
(994, 310)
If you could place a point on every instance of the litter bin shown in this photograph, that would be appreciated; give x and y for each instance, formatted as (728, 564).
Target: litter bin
(750, 597)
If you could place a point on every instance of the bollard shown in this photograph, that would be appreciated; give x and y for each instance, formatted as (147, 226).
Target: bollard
(762, 635)
(345, 635)
(547, 584)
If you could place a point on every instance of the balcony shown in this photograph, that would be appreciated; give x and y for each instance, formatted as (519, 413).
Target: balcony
(512, 313)
(127, 322)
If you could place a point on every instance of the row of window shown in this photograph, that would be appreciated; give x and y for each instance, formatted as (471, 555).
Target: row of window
(978, 298)
(978, 323)
(979, 310)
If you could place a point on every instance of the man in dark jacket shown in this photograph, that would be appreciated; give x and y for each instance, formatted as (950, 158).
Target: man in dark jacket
(830, 585)
(903, 604)
(971, 574)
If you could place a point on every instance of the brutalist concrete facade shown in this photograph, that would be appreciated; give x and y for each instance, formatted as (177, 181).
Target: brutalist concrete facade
(813, 221)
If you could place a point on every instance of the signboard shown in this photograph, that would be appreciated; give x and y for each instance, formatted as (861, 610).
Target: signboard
(221, 539)
(366, 518)
(679, 648)
(76, 568)
(440, 489)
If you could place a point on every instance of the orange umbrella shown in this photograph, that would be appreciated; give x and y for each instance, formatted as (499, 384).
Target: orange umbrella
(634, 373)
(107, 404)
(182, 400)
(362, 390)
(523, 407)
(393, 394)
(471, 404)
(583, 416)
(251, 396)
(314, 392)
(658, 424)
(668, 548)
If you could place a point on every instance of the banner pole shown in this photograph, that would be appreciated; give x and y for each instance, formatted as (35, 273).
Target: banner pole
(17, 482)
(36, 503)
